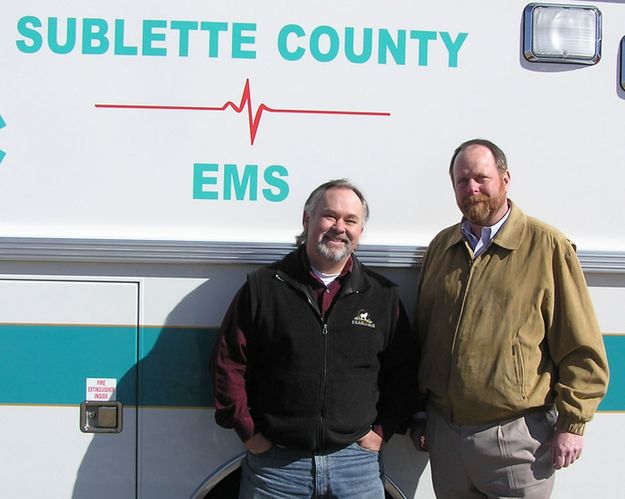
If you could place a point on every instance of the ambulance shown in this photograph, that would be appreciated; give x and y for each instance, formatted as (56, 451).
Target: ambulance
(152, 153)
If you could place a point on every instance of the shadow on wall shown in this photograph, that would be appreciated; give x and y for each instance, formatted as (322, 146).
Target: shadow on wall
(178, 443)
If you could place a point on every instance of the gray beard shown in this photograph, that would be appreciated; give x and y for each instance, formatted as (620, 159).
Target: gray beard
(334, 255)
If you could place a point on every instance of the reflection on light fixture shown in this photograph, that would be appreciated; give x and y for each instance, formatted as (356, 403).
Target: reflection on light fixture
(623, 63)
(562, 33)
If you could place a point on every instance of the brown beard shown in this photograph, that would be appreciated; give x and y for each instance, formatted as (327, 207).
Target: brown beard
(479, 208)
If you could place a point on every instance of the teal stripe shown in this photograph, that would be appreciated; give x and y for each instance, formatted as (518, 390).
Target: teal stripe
(49, 365)
(615, 398)
(43, 364)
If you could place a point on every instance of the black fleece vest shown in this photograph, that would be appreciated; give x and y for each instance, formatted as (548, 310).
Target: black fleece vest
(312, 381)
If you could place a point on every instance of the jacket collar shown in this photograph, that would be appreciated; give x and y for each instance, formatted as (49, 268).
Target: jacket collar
(511, 234)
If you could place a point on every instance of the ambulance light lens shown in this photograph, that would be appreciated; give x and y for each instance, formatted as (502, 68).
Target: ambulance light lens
(562, 33)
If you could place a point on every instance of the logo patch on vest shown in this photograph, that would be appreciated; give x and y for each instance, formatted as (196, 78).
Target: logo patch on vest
(362, 319)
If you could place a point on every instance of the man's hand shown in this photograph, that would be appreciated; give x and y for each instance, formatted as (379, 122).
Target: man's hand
(257, 444)
(566, 448)
(417, 434)
(371, 441)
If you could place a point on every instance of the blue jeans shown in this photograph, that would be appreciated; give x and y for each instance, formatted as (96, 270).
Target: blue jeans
(349, 473)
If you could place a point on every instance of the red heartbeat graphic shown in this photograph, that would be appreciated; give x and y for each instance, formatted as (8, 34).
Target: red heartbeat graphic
(253, 118)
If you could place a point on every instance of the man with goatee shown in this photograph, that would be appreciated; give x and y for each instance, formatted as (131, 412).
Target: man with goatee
(316, 366)
(512, 360)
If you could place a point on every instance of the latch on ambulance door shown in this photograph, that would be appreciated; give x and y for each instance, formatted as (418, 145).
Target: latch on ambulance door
(100, 417)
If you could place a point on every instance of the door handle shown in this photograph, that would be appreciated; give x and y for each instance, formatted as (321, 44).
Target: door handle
(100, 417)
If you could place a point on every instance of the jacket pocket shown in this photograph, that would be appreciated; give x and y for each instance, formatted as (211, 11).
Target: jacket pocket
(519, 369)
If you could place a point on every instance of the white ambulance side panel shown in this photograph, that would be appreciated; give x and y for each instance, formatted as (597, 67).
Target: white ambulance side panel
(51, 331)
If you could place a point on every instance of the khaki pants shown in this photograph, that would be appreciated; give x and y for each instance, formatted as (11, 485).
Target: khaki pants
(511, 459)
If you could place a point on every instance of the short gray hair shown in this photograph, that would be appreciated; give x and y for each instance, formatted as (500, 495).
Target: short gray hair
(313, 200)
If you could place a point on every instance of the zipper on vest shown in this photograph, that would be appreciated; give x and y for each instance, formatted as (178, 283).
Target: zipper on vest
(324, 383)
(324, 366)
(324, 357)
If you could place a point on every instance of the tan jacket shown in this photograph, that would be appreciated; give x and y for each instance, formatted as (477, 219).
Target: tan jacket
(511, 330)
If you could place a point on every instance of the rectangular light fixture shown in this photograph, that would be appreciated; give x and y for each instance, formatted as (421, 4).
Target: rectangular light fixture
(622, 71)
(569, 34)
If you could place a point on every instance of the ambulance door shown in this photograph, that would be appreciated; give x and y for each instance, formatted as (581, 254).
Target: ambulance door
(68, 388)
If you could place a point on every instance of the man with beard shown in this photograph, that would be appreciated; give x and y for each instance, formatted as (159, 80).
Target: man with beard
(316, 366)
(512, 360)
